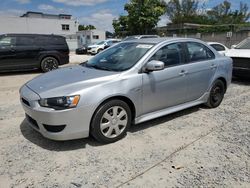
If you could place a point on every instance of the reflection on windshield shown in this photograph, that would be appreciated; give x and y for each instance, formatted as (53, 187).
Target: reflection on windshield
(100, 43)
(120, 57)
(245, 44)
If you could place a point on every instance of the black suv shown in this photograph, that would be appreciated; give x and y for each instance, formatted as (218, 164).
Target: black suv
(32, 51)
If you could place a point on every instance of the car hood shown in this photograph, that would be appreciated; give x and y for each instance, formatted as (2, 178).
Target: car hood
(67, 81)
(245, 53)
(93, 46)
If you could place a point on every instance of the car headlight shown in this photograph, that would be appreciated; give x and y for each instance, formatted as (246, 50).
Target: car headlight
(60, 103)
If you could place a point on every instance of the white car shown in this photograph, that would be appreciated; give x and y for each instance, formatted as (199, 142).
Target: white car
(241, 58)
(98, 47)
(222, 49)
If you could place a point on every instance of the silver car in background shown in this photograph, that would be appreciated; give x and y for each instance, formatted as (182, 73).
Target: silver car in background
(131, 82)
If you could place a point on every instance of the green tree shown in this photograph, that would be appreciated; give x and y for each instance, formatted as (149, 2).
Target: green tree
(121, 26)
(220, 14)
(87, 27)
(223, 14)
(143, 16)
(183, 11)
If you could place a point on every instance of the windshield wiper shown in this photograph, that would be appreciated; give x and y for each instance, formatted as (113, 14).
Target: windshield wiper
(98, 67)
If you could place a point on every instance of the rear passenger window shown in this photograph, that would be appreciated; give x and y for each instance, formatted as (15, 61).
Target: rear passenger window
(198, 52)
(50, 40)
(171, 54)
(24, 41)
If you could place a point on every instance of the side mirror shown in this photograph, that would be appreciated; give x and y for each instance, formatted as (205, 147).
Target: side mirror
(154, 66)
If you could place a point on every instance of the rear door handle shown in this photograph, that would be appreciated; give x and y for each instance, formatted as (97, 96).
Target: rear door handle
(183, 72)
(213, 66)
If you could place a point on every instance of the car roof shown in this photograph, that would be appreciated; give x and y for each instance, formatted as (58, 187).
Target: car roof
(164, 39)
(215, 43)
(112, 39)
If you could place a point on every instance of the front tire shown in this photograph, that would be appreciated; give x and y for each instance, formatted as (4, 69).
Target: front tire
(49, 64)
(99, 50)
(111, 121)
(216, 94)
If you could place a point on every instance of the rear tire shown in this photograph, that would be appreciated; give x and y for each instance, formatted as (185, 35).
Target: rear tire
(216, 94)
(111, 121)
(49, 64)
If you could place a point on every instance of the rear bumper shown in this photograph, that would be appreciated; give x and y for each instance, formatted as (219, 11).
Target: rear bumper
(241, 72)
(64, 60)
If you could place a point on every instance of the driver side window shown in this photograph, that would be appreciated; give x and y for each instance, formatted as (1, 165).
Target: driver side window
(170, 55)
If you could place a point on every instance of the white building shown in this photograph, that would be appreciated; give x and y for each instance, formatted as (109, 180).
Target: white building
(90, 36)
(39, 23)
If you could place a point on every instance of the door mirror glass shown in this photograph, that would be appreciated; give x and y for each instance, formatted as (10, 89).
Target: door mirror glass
(154, 65)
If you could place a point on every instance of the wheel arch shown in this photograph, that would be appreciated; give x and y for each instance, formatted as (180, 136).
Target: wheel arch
(125, 99)
(224, 81)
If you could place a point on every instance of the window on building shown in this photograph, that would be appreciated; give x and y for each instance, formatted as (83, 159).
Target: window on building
(65, 27)
(65, 17)
(88, 37)
(95, 36)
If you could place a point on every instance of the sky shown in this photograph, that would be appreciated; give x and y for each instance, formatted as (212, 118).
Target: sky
(99, 13)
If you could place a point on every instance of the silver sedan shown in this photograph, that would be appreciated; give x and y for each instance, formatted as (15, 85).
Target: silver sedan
(131, 82)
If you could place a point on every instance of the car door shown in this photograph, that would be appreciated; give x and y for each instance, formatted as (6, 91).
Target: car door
(201, 69)
(26, 52)
(168, 87)
(7, 53)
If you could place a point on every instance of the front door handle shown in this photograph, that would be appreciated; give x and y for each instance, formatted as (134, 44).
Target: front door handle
(183, 73)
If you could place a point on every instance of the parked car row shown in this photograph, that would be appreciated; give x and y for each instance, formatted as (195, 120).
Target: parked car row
(102, 45)
(47, 52)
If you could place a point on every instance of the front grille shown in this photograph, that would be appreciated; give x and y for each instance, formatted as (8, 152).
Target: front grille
(32, 121)
(241, 62)
(54, 128)
(25, 102)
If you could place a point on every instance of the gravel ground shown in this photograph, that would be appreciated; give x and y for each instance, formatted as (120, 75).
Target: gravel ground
(197, 147)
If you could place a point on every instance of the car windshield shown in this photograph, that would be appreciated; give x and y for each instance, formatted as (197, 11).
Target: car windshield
(121, 57)
(100, 43)
(245, 44)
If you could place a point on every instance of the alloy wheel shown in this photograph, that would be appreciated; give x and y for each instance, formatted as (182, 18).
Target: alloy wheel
(114, 122)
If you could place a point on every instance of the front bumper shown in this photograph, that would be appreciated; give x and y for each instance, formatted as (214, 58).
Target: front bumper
(93, 51)
(55, 124)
